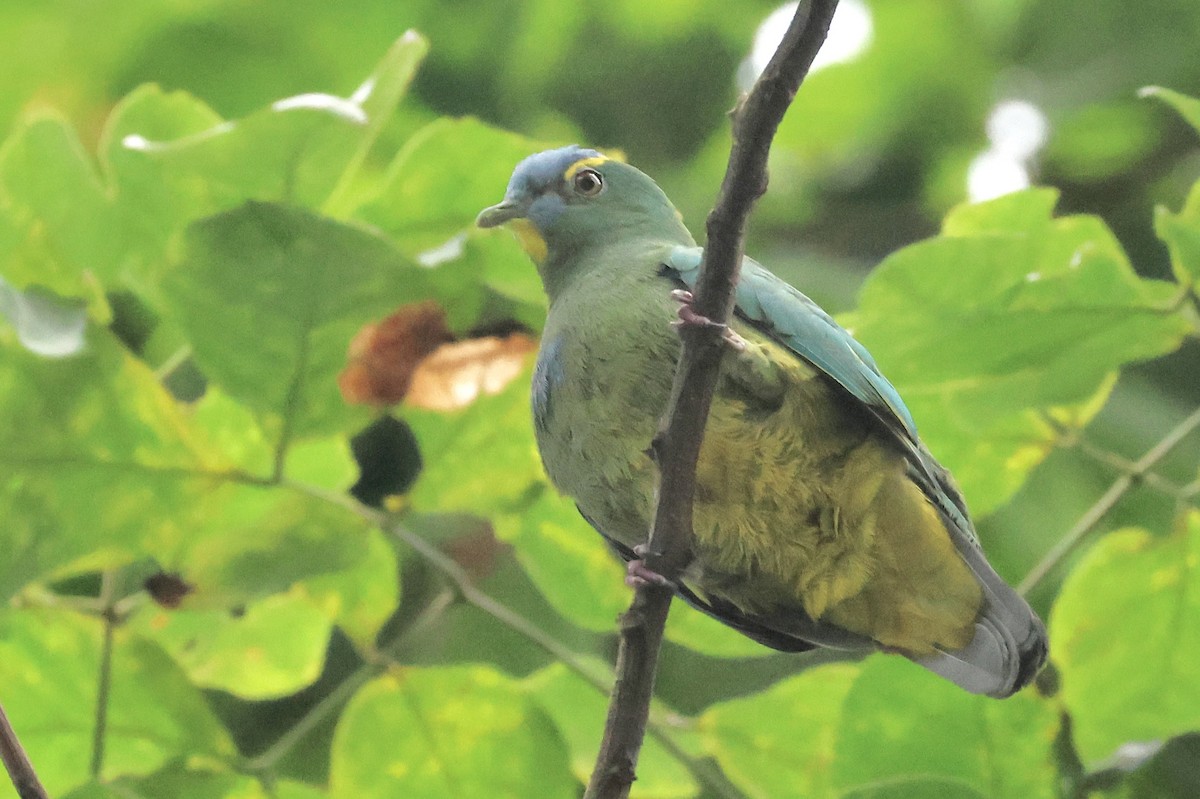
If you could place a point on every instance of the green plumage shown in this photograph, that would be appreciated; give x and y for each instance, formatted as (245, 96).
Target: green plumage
(820, 518)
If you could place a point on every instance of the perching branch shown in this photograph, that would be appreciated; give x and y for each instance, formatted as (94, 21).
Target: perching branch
(16, 762)
(1088, 521)
(676, 448)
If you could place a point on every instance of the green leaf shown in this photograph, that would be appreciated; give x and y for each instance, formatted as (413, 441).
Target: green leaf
(286, 789)
(900, 724)
(579, 710)
(233, 430)
(1181, 232)
(455, 478)
(1009, 313)
(1188, 107)
(916, 788)
(241, 543)
(780, 742)
(450, 732)
(272, 648)
(378, 96)
(567, 560)
(271, 296)
(179, 782)
(322, 462)
(104, 468)
(96, 451)
(361, 597)
(446, 174)
(1143, 590)
(91, 790)
(48, 665)
(175, 161)
(294, 151)
(64, 233)
(169, 160)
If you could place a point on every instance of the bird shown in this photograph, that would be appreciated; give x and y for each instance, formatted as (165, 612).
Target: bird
(820, 517)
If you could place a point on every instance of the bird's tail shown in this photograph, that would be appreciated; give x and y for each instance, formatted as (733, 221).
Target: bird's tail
(1010, 643)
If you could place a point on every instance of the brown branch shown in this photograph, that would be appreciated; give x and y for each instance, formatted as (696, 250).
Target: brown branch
(677, 446)
(20, 770)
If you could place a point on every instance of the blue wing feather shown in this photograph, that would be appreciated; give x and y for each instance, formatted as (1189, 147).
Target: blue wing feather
(805, 328)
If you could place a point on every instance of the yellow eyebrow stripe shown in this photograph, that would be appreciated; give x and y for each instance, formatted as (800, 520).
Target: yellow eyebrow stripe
(595, 160)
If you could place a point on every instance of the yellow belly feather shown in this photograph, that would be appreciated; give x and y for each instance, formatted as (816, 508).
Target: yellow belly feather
(814, 505)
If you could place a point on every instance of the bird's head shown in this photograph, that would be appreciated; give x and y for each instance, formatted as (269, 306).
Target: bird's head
(561, 202)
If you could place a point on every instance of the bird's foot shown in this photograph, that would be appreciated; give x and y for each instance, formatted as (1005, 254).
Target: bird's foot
(638, 574)
(689, 318)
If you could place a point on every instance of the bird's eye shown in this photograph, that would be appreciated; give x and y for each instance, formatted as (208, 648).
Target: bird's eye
(588, 182)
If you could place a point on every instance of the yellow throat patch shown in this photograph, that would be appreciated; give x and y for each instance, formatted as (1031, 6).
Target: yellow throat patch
(531, 241)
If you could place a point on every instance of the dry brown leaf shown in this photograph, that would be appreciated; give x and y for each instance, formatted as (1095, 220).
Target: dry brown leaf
(456, 374)
(383, 356)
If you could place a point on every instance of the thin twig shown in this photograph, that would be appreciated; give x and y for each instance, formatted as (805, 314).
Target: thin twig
(104, 682)
(1127, 467)
(16, 762)
(1092, 517)
(335, 699)
(1072, 438)
(676, 448)
(480, 599)
(459, 576)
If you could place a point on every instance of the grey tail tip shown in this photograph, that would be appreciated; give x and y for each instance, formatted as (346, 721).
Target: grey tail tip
(1027, 643)
(1030, 657)
(1006, 653)
(1033, 655)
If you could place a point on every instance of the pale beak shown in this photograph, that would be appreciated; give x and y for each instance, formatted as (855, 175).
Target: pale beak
(500, 213)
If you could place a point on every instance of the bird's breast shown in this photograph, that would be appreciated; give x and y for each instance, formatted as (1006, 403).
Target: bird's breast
(601, 382)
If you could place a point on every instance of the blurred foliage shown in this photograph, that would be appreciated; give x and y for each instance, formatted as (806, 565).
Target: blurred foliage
(201, 202)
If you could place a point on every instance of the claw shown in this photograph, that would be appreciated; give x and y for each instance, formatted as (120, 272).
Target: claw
(638, 574)
(689, 318)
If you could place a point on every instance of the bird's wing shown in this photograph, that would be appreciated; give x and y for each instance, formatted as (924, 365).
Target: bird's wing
(788, 316)
(1010, 642)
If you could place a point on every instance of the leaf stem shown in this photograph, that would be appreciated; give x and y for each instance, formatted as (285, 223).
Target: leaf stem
(104, 683)
(1092, 517)
(181, 472)
(291, 402)
(173, 362)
